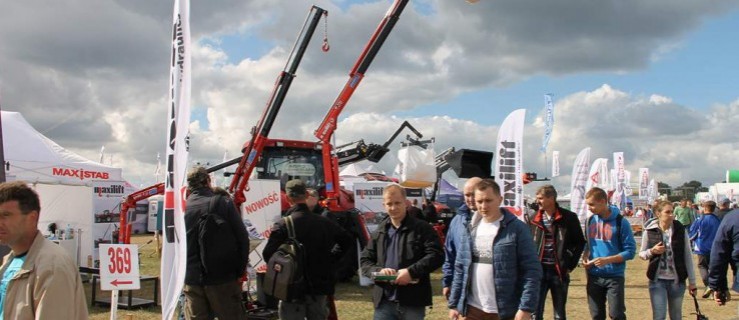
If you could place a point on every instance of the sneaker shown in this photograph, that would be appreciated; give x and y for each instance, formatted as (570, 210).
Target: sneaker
(708, 293)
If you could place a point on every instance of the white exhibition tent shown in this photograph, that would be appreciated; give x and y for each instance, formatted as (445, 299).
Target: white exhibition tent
(72, 189)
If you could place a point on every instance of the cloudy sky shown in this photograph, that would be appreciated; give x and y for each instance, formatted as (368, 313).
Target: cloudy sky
(655, 79)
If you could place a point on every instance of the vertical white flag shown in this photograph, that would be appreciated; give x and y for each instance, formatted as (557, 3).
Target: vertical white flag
(643, 183)
(174, 249)
(102, 153)
(620, 194)
(651, 191)
(508, 161)
(548, 121)
(555, 164)
(598, 176)
(579, 178)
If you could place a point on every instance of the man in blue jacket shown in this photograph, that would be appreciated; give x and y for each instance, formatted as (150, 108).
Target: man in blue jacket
(496, 272)
(702, 233)
(725, 252)
(463, 216)
(608, 247)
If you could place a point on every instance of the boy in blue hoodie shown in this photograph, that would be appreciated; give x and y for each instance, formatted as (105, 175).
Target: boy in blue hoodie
(607, 249)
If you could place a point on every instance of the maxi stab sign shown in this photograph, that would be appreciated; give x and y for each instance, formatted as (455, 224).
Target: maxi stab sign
(119, 267)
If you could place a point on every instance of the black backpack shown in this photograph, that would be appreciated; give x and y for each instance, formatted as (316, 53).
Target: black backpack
(285, 277)
(219, 247)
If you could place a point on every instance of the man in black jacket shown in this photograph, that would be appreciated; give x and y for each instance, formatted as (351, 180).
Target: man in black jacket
(217, 293)
(560, 242)
(318, 235)
(408, 249)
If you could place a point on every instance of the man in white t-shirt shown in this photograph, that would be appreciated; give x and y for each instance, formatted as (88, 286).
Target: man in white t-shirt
(497, 261)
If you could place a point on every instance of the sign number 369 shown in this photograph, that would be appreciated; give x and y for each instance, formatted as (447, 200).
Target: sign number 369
(120, 260)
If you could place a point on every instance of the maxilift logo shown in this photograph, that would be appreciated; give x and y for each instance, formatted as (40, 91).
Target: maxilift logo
(507, 172)
(375, 191)
(114, 189)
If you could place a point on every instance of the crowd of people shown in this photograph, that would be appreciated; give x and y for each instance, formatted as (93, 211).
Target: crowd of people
(494, 265)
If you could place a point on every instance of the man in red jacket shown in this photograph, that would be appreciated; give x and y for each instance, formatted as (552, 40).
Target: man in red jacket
(560, 242)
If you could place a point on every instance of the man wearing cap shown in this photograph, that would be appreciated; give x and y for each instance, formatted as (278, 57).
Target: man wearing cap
(723, 208)
(318, 235)
(211, 293)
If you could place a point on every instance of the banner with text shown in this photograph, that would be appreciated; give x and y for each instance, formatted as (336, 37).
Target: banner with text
(174, 248)
(580, 171)
(548, 121)
(555, 164)
(509, 161)
(643, 183)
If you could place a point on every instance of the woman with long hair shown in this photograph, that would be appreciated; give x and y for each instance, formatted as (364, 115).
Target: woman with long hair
(666, 245)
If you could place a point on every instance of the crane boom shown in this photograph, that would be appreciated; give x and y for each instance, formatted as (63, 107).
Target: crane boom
(328, 125)
(252, 149)
(326, 129)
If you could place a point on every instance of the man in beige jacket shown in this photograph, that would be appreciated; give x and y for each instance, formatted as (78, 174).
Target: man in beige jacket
(39, 279)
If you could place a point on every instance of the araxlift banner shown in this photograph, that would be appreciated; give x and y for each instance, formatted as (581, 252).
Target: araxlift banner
(509, 162)
(580, 170)
(174, 249)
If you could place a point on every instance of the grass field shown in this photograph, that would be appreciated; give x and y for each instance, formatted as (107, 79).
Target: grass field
(354, 302)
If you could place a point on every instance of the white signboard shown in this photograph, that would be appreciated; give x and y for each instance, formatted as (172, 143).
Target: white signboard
(368, 199)
(106, 216)
(259, 212)
(119, 267)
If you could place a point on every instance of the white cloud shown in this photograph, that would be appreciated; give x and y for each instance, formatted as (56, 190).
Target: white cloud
(101, 79)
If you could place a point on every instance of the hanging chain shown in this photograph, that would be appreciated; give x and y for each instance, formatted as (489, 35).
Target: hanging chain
(325, 46)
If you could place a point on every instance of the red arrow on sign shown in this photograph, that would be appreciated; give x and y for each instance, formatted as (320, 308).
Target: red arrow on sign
(116, 282)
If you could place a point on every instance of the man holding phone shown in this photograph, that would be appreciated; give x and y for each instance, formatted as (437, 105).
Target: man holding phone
(608, 247)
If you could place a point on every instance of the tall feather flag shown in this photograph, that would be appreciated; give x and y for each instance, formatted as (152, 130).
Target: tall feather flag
(598, 176)
(579, 178)
(158, 170)
(102, 153)
(651, 191)
(509, 162)
(555, 164)
(548, 121)
(643, 183)
(619, 196)
(174, 249)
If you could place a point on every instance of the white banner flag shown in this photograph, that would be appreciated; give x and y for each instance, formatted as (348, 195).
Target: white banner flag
(627, 185)
(579, 178)
(548, 121)
(508, 161)
(598, 176)
(619, 196)
(643, 183)
(651, 191)
(555, 164)
(174, 248)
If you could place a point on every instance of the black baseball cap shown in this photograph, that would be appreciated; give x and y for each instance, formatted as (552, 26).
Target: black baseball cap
(295, 188)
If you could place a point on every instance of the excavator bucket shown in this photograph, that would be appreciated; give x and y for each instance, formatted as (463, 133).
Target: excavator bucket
(468, 163)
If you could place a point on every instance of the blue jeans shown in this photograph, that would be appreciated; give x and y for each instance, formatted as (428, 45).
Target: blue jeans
(664, 294)
(389, 310)
(558, 287)
(602, 289)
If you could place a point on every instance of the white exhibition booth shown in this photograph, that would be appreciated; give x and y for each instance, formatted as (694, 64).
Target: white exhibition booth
(75, 192)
